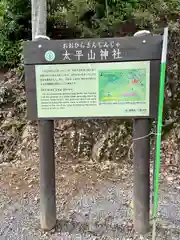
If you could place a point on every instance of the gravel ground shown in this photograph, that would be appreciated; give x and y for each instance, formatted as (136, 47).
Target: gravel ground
(88, 207)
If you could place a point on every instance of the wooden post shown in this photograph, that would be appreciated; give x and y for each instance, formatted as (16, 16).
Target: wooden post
(47, 175)
(46, 135)
(141, 189)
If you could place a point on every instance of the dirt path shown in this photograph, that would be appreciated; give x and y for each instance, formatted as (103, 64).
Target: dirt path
(92, 203)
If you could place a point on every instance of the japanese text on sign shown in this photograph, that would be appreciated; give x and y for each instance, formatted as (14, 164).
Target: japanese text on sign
(91, 44)
(90, 55)
(73, 51)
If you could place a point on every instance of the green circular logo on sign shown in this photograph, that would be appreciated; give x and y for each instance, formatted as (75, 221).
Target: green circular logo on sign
(50, 56)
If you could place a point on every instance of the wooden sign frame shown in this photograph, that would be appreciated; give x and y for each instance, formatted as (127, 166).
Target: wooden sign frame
(81, 51)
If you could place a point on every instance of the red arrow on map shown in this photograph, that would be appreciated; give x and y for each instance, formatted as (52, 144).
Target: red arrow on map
(135, 81)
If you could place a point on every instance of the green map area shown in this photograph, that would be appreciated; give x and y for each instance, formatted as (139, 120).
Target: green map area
(122, 85)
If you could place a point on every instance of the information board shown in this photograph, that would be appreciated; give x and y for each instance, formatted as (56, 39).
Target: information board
(93, 78)
(118, 89)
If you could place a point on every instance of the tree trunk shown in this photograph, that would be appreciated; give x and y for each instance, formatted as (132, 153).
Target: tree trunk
(38, 16)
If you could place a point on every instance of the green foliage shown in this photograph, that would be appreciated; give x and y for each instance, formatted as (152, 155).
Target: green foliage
(117, 17)
(9, 52)
(14, 25)
(83, 18)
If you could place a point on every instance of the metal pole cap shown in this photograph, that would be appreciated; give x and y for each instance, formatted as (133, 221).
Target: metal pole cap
(42, 36)
(142, 33)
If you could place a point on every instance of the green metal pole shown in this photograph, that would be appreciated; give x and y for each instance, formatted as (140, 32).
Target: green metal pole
(159, 126)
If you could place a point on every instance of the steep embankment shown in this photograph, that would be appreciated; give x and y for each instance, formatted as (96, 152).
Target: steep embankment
(99, 140)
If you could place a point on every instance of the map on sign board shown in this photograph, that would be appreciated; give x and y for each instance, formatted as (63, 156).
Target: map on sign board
(117, 89)
(122, 85)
